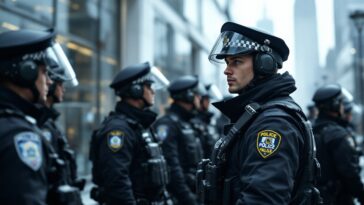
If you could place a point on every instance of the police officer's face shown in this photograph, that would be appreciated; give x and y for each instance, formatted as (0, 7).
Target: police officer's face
(197, 101)
(59, 92)
(239, 72)
(149, 94)
(42, 83)
(205, 103)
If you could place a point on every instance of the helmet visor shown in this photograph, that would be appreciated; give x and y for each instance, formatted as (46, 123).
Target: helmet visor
(155, 77)
(200, 89)
(58, 65)
(214, 93)
(231, 43)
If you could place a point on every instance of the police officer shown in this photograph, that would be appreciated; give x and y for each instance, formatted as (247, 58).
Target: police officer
(181, 145)
(128, 165)
(262, 159)
(312, 113)
(24, 81)
(64, 186)
(340, 171)
(204, 122)
(222, 119)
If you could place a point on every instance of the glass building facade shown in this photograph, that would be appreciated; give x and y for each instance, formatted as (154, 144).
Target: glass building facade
(89, 32)
(101, 37)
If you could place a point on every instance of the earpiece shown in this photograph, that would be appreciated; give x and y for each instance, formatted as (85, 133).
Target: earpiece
(136, 91)
(264, 62)
(28, 71)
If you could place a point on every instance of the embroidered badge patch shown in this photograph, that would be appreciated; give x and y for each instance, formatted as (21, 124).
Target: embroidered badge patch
(115, 140)
(268, 141)
(162, 132)
(29, 148)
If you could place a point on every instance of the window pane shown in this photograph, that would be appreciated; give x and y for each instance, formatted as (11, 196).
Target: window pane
(9, 21)
(78, 17)
(110, 44)
(182, 58)
(41, 10)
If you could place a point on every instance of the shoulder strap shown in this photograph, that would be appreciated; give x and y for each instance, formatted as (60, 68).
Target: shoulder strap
(223, 143)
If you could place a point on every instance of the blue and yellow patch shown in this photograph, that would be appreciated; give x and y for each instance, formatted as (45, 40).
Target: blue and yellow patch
(115, 140)
(28, 145)
(268, 142)
(162, 132)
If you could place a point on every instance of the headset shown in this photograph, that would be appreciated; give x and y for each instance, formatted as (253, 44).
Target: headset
(23, 73)
(332, 104)
(266, 61)
(28, 71)
(136, 91)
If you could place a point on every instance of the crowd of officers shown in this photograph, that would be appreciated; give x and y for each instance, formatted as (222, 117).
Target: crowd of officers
(267, 153)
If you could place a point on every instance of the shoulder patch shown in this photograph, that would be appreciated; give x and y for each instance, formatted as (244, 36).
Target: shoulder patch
(162, 132)
(268, 142)
(28, 145)
(115, 140)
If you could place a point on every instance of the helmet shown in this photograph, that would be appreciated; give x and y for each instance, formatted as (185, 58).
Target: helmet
(130, 80)
(213, 92)
(58, 76)
(234, 39)
(185, 88)
(328, 98)
(22, 51)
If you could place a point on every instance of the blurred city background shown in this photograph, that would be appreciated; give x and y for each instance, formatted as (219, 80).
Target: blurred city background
(100, 37)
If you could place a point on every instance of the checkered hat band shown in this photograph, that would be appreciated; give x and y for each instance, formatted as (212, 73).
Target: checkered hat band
(243, 44)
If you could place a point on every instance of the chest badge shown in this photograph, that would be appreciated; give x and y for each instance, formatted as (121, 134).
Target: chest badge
(268, 142)
(115, 140)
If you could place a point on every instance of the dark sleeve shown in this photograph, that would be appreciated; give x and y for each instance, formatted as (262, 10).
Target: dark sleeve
(114, 166)
(269, 180)
(19, 183)
(177, 186)
(344, 153)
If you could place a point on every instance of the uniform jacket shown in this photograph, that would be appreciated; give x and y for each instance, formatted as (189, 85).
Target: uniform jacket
(23, 175)
(182, 149)
(264, 163)
(340, 170)
(120, 153)
(206, 131)
(59, 143)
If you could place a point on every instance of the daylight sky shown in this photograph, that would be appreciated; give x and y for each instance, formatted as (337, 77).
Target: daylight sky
(248, 12)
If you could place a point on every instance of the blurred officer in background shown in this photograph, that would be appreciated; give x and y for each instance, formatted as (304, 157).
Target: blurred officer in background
(65, 186)
(266, 156)
(222, 120)
(203, 122)
(128, 165)
(26, 161)
(180, 143)
(340, 171)
(312, 112)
